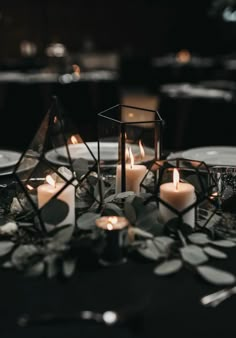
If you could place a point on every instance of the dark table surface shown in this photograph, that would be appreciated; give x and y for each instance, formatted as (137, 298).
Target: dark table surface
(169, 305)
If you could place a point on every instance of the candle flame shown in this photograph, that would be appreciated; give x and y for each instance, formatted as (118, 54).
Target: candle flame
(109, 226)
(29, 187)
(142, 152)
(113, 219)
(73, 139)
(214, 195)
(176, 178)
(131, 158)
(51, 181)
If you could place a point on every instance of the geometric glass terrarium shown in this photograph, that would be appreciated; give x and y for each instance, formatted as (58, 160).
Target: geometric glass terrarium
(56, 168)
(181, 189)
(129, 139)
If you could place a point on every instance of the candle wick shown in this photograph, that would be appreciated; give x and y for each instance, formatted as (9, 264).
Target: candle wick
(177, 186)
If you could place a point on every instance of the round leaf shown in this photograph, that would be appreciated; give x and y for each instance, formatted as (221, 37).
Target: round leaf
(215, 276)
(87, 220)
(35, 270)
(199, 238)
(149, 251)
(168, 267)
(68, 267)
(54, 212)
(111, 209)
(5, 247)
(193, 255)
(22, 255)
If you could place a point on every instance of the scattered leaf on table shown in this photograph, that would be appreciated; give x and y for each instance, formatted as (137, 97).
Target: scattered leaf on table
(149, 250)
(5, 247)
(193, 255)
(168, 267)
(199, 238)
(214, 253)
(68, 267)
(215, 276)
(163, 243)
(35, 270)
(140, 232)
(224, 243)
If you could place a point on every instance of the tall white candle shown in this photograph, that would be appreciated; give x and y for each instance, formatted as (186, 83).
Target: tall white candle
(134, 173)
(179, 195)
(46, 191)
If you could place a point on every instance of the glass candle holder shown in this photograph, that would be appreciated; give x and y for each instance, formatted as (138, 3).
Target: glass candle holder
(180, 187)
(225, 191)
(52, 172)
(115, 230)
(129, 139)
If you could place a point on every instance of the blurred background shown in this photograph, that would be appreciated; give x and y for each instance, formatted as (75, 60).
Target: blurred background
(175, 56)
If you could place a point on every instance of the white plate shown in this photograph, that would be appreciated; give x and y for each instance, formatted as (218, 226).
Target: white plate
(212, 155)
(8, 158)
(109, 152)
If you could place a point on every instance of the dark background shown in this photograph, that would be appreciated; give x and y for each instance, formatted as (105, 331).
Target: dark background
(142, 27)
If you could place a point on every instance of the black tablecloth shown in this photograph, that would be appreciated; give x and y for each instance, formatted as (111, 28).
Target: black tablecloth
(172, 305)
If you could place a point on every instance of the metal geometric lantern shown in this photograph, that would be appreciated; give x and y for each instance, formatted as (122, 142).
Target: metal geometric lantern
(54, 170)
(180, 187)
(129, 139)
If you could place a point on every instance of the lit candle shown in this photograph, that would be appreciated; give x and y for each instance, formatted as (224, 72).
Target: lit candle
(116, 232)
(47, 190)
(179, 195)
(134, 173)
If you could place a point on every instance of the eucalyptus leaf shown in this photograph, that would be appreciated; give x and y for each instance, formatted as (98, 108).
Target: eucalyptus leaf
(68, 267)
(64, 234)
(199, 238)
(23, 254)
(110, 198)
(168, 267)
(80, 166)
(141, 233)
(35, 270)
(130, 212)
(55, 211)
(7, 265)
(214, 253)
(51, 265)
(215, 276)
(149, 250)
(5, 247)
(163, 243)
(87, 220)
(224, 243)
(111, 209)
(193, 255)
(125, 194)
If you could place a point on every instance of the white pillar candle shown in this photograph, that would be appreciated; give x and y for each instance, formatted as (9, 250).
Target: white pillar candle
(134, 174)
(46, 191)
(179, 195)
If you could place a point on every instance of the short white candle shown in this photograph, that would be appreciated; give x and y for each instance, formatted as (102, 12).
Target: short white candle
(179, 195)
(46, 191)
(134, 174)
